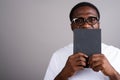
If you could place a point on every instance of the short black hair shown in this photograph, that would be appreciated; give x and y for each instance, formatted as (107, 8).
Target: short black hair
(81, 4)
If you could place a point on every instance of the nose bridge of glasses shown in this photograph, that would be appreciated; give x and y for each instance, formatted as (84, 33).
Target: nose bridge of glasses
(86, 25)
(86, 20)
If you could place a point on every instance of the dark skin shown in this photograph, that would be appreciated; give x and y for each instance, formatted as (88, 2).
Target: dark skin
(76, 62)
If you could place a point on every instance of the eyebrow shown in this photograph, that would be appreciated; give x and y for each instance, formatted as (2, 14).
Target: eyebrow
(88, 13)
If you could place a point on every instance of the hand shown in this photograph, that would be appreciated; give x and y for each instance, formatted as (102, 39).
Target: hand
(98, 62)
(74, 63)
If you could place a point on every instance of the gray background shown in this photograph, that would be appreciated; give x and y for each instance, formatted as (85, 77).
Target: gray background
(31, 30)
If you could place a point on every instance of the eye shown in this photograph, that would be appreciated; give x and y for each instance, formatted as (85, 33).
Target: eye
(92, 19)
(79, 20)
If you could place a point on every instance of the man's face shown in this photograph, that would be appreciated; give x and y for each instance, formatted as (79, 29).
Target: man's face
(85, 18)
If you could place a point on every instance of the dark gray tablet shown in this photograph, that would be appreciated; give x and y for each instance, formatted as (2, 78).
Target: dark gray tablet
(87, 41)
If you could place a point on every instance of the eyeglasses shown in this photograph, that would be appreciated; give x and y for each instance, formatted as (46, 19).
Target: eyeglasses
(90, 20)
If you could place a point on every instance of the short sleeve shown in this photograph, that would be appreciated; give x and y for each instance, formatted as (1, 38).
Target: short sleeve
(52, 70)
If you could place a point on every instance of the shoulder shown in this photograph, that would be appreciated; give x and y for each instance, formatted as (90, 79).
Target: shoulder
(65, 51)
(109, 49)
(60, 57)
(58, 61)
(113, 55)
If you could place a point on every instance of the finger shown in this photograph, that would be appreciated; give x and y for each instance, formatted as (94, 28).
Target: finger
(80, 54)
(81, 63)
(96, 55)
(81, 58)
(97, 68)
(95, 64)
(95, 58)
(79, 68)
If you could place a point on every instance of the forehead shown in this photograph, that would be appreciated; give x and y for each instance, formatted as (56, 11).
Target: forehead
(84, 11)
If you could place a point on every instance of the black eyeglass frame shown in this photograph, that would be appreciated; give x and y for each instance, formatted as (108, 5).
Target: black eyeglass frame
(86, 20)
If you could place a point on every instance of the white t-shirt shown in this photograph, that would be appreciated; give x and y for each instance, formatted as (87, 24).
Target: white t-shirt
(60, 57)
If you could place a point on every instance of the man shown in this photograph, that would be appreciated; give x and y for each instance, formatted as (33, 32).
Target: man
(65, 65)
